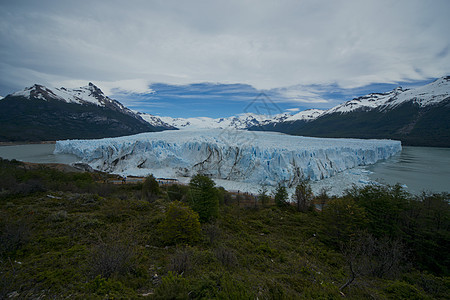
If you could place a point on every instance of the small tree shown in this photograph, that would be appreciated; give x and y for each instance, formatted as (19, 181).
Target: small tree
(281, 196)
(150, 188)
(303, 196)
(203, 197)
(263, 196)
(341, 218)
(177, 192)
(367, 255)
(323, 198)
(180, 225)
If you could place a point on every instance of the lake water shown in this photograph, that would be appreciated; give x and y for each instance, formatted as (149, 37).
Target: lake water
(417, 168)
(36, 153)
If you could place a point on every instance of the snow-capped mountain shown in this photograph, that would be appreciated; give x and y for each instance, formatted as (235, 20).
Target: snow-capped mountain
(85, 95)
(242, 121)
(41, 113)
(154, 120)
(419, 116)
(430, 94)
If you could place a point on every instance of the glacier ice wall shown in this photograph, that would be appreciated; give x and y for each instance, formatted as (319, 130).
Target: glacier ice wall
(255, 157)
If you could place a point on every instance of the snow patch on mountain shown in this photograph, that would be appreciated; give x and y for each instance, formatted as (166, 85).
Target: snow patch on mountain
(89, 94)
(242, 121)
(429, 94)
(154, 120)
(234, 155)
(306, 115)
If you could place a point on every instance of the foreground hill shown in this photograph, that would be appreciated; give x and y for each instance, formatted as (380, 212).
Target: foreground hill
(39, 113)
(419, 117)
(70, 235)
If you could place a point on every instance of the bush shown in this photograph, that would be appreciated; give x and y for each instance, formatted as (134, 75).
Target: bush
(58, 216)
(226, 256)
(341, 218)
(13, 236)
(263, 197)
(150, 189)
(437, 287)
(177, 192)
(403, 290)
(173, 286)
(281, 196)
(181, 224)
(212, 233)
(181, 262)
(203, 198)
(112, 258)
(303, 196)
(113, 289)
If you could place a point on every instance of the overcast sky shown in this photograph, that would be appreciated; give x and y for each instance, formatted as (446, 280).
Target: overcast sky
(301, 52)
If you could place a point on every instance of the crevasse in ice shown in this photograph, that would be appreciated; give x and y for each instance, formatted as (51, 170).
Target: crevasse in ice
(254, 157)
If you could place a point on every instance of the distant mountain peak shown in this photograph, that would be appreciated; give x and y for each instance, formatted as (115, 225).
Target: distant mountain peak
(95, 89)
(89, 94)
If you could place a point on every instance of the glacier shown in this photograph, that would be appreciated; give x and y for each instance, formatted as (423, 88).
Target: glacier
(263, 158)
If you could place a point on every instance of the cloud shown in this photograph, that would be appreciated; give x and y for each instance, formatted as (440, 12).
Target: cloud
(130, 86)
(265, 44)
(293, 109)
(301, 94)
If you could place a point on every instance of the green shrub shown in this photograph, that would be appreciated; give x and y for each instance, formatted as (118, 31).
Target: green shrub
(263, 196)
(58, 216)
(173, 286)
(177, 192)
(341, 218)
(150, 189)
(203, 197)
(181, 262)
(112, 258)
(13, 235)
(303, 196)
(281, 196)
(403, 290)
(180, 225)
(437, 287)
(113, 288)
(212, 233)
(226, 256)
(221, 286)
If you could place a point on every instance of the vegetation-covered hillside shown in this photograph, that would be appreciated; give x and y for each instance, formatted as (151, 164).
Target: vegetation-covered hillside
(71, 235)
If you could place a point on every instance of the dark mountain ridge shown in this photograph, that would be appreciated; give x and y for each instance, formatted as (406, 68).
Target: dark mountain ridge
(417, 117)
(39, 113)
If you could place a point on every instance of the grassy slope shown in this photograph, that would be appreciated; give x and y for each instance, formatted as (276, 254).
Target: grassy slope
(64, 222)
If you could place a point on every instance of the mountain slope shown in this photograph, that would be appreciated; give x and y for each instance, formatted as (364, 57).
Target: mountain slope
(40, 113)
(419, 117)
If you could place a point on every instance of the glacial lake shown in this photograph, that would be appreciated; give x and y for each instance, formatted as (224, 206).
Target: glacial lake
(417, 168)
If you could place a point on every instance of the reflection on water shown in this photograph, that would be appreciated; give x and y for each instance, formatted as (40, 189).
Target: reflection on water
(36, 153)
(419, 168)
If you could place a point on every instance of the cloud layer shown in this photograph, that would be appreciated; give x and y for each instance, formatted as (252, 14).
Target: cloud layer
(126, 45)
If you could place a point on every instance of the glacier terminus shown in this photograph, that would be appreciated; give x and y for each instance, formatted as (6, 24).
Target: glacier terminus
(263, 158)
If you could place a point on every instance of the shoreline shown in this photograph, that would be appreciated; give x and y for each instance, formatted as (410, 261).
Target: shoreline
(26, 143)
